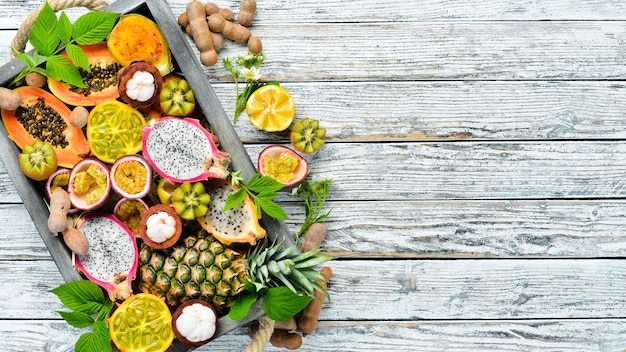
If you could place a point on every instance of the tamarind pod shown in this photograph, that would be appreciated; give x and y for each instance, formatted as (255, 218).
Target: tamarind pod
(183, 21)
(255, 45)
(288, 325)
(200, 33)
(218, 41)
(211, 8)
(76, 241)
(57, 222)
(286, 339)
(230, 30)
(314, 237)
(308, 321)
(228, 14)
(247, 8)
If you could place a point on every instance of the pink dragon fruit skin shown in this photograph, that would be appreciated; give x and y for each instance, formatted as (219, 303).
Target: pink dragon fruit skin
(181, 150)
(113, 256)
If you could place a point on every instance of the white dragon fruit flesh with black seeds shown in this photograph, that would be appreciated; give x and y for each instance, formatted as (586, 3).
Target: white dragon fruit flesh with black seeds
(181, 150)
(113, 255)
(237, 225)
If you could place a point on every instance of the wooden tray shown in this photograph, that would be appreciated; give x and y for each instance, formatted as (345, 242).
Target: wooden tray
(185, 61)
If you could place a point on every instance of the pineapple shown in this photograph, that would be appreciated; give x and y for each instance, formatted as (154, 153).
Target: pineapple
(200, 266)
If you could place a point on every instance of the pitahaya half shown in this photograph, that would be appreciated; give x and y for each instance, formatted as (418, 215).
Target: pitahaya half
(181, 150)
(113, 255)
(237, 225)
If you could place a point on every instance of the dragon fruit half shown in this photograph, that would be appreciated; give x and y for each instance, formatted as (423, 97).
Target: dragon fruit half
(113, 255)
(181, 150)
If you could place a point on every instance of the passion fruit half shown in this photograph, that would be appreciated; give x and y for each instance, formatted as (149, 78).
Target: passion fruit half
(131, 176)
(89, 184)
(283, 164)
(130, 211)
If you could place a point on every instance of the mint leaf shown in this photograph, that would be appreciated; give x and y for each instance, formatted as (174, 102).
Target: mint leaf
(271, 208)
(282, 304)
(43, 34)
(234, 199)
(64, 28)
(93, 27)
(77, 319)
(264, 184)
(78, 56)
(81, 296)
(62, 69)
(88, 342)
(242, 305)
(101, 332)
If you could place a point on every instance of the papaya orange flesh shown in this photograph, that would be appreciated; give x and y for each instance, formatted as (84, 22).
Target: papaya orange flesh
(138, 38)
(43, 116)
(101, 82)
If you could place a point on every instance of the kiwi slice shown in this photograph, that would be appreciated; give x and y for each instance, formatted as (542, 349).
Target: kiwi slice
(176, 98)
(306, 135)
(190, 200)
(38, 160)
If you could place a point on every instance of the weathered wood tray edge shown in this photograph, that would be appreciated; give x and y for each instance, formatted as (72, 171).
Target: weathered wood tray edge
(31, 194)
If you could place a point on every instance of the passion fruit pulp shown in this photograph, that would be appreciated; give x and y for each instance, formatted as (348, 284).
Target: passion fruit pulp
(283, 164)
(89, 184)
(131, 177)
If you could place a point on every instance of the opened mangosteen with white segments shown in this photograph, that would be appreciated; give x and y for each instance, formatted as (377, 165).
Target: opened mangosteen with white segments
(160, 226)
(140, 84)
(131, 176)
(89, 184)
(283, 164)
(195, 322)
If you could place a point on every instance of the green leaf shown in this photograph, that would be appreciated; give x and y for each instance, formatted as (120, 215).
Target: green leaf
(88, 342)
(234, 199)
(271, 208)
(104, 311)
(77, 319)
(264, 184)
(62, 69)
(242, 305)
(93, 27)
(78, 56)
(282, 304)
(101, 332)
(64, 29)
(81, 296)
(43, 33)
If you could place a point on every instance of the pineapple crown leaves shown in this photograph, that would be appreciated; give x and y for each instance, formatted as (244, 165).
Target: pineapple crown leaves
(273, 266)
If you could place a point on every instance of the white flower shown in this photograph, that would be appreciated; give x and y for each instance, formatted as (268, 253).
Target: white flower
(251, 74)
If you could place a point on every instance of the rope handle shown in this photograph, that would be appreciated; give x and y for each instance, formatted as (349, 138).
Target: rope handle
(21, 37)
(19, 44)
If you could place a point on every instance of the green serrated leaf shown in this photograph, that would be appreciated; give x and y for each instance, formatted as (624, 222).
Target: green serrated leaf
(77, 319)
(242, 305)
(93, 27)
(234, 199)
(62, 69)
(101, 332)
(271, 208)
(78, 56)
(264, 184)
(43, 33)
(64, 28)
(81, 296)
(103, 314)
(282, 304)
(88, 342)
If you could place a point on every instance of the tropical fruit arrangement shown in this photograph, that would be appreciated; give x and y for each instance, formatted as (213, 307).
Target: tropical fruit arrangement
(166, 234)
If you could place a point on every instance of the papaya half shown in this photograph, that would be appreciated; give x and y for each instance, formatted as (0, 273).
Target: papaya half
(42, 116)
(138, 38)
(101, 82)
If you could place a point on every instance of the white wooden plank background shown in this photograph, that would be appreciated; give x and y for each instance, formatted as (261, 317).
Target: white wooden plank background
(478, 158)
